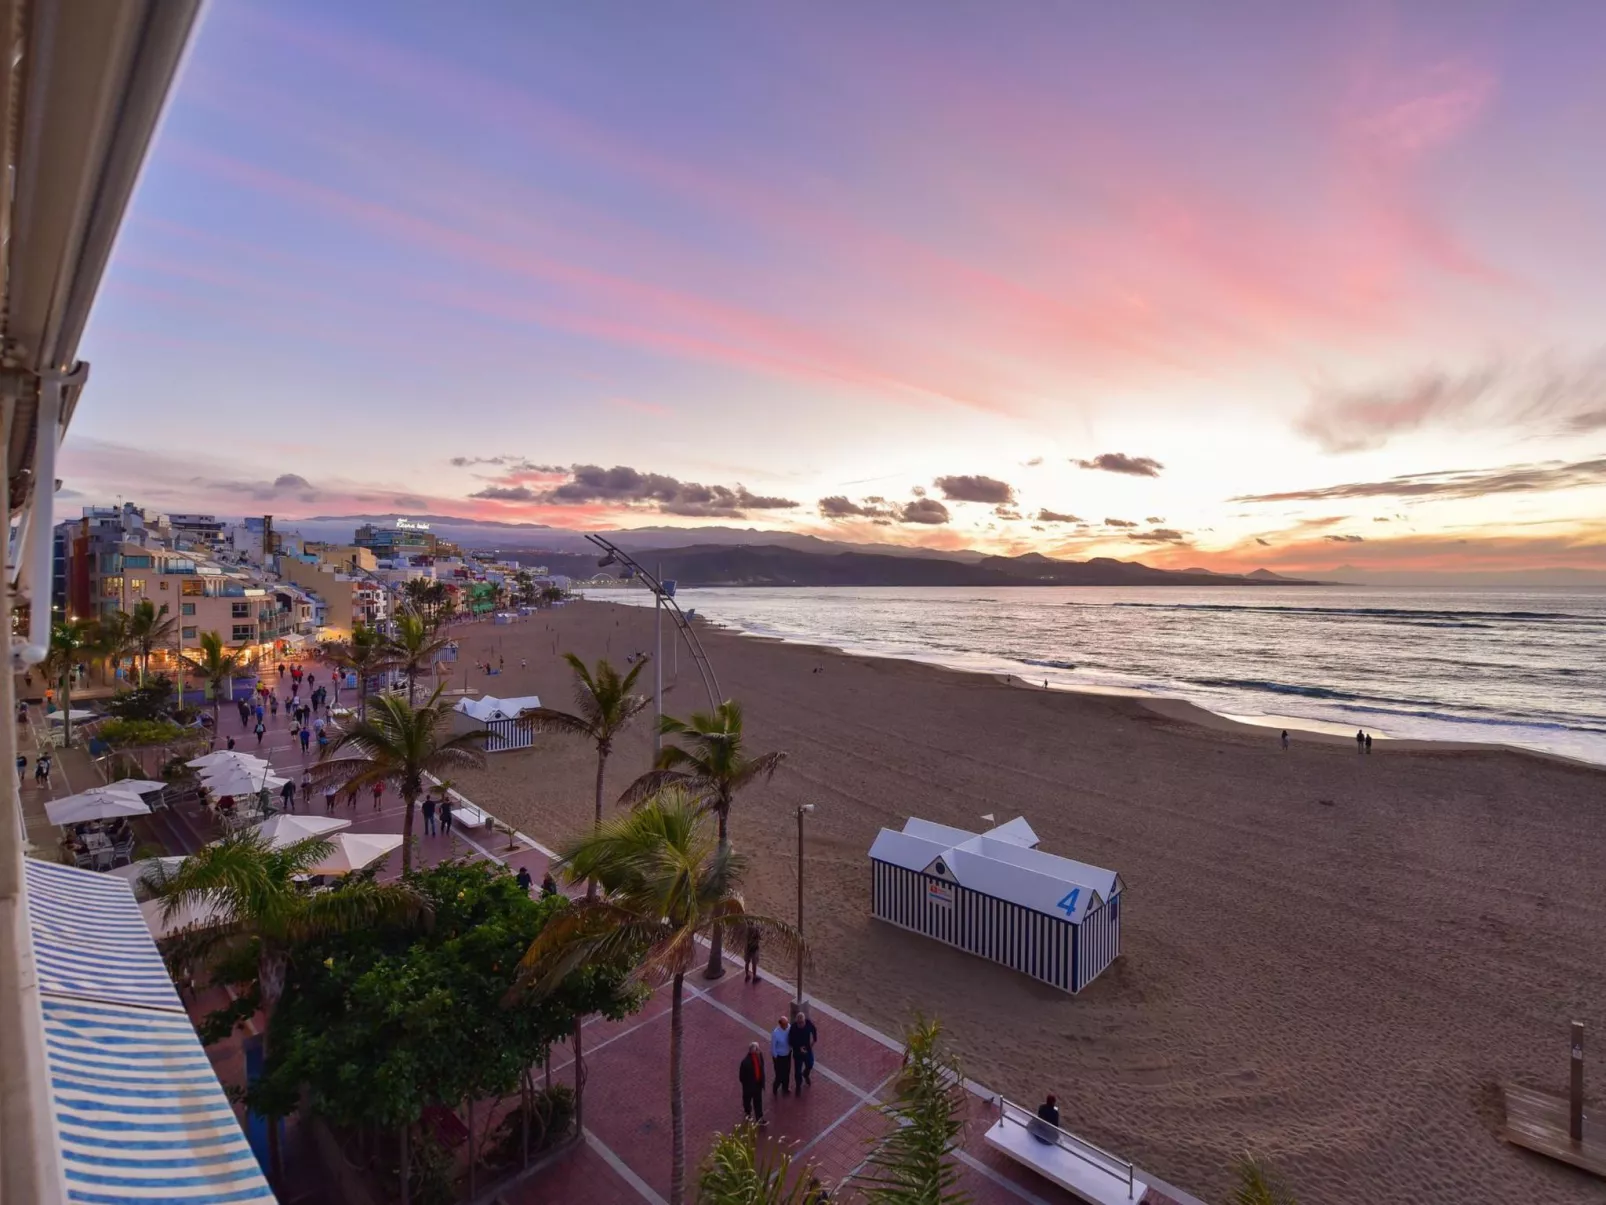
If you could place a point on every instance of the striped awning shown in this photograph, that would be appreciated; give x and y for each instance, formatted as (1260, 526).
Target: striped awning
(141, 1114)
(139, 1110)
(90, 940)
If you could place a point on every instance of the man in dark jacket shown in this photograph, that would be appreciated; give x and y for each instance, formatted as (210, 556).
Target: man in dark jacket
(751, 1074)
(802, 1036)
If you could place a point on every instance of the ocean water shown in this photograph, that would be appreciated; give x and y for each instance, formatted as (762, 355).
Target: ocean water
(1520, 667)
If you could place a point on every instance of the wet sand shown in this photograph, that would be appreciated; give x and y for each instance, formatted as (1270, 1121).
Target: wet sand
(1329, 959)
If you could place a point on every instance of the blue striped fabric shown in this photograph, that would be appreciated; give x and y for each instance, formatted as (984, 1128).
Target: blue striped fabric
(141, 1113)
(90, 940)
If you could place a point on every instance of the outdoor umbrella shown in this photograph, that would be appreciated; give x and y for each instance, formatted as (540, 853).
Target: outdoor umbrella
(99, 803)
(199, 912)
(77, 716)
(286, 828)
(137, 786)
(227, 757)
(136, 872)
(353, 851)
(240, 781)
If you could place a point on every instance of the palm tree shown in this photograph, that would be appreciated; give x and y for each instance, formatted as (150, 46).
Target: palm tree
(114, 637)
(414, 646)
(149, 628)
(604, 706)
(71, 642)
(666, 881)
(402, 742)
(248, 899)
(365, 654)
(1259, 1185)
(914, 1161)
(711, 768)
(739, 1171)
(216, 668)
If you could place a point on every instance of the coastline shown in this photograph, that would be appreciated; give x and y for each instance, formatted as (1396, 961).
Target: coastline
(1182, 711)
(1326, 957)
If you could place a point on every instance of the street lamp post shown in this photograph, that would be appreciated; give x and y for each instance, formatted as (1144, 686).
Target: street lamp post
(658, 662)
(801, 1004)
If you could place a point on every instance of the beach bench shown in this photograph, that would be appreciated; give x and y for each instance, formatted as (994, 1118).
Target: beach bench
(1079, 1167)
(465, 813)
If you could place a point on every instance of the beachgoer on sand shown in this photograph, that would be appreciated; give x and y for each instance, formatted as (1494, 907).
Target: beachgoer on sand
(751, 1075)
(781, 1056)
(1285, 738)
(750, 957)
(1360, 741)
(1368, 742)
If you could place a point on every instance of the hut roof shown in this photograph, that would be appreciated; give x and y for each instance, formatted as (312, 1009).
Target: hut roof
(999, 863)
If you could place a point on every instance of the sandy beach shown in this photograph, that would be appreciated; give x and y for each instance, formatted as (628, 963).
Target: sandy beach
(1330, 959)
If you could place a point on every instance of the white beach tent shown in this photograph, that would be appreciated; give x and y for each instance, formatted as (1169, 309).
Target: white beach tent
(496, 718)
(98, 803)
(996, 895)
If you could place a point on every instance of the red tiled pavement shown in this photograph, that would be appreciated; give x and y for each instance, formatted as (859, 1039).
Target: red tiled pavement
(625, 1158)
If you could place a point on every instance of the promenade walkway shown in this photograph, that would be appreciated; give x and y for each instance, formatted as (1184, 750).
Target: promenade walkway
(625, 1157)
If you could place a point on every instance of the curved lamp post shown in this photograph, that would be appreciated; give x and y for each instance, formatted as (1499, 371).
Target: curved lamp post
(663, 598)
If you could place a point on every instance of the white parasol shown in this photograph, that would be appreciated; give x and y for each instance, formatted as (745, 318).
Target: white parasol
(241, 782)
(100, 803)
(353, 851)
(198, 913)
(286, 828)
(227, 757)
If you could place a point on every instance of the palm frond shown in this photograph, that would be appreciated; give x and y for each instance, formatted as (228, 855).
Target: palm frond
(652, 783)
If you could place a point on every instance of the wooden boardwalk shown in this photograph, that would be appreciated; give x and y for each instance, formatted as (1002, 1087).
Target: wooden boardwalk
(1538, 1121)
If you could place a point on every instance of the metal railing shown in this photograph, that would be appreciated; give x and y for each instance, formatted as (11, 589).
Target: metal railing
(1042, 1131)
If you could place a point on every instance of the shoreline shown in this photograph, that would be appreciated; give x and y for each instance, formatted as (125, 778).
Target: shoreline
(1176, 709)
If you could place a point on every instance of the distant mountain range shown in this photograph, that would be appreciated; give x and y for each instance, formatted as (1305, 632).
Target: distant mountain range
(773, 565)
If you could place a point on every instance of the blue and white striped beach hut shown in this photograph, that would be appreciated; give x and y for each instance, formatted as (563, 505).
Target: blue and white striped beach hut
(140, 1114)
(996, 895)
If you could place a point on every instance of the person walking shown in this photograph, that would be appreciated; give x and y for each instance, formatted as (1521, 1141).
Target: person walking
(379, 793)
(549, 885)
(751, 1074)
(351, 797)
(1368, 742)
(323, 742)
(781, 1056)
(1285, 740)
(525, 879)
(803, 1035)
(446, 814)
(287, 795)
(1360, 741)
(306, 788)
(22, 769)
(259, 730)
(330, 794)
(42, 767)
(750, 957)
(273, 706)
(429, 815)
(230, 745)
(306, 739)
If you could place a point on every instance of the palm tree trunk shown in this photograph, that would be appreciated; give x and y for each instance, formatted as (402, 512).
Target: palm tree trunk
(406, 1187)
(602, 768)
(271, 969)
(473, 1158)
(677, 1108)
(407, 832)
(66, 709)
(716, 943)
(579, 1081)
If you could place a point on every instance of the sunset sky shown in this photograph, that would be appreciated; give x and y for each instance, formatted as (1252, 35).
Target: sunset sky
(1227, 284)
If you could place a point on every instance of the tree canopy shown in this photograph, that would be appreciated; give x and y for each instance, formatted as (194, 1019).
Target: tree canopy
(380, 1023)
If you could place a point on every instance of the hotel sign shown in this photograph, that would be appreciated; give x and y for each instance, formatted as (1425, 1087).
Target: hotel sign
(409, 525)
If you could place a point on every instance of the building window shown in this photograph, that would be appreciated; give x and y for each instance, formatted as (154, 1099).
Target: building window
(164, 585)
(243, 632)
(187, 634)
(240, 611)
(194, 588)
(136, 585)
(137, 562)
(186, 608)
(111, 587)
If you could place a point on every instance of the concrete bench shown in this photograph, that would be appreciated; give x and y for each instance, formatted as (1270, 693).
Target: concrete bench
(1079, 1167)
